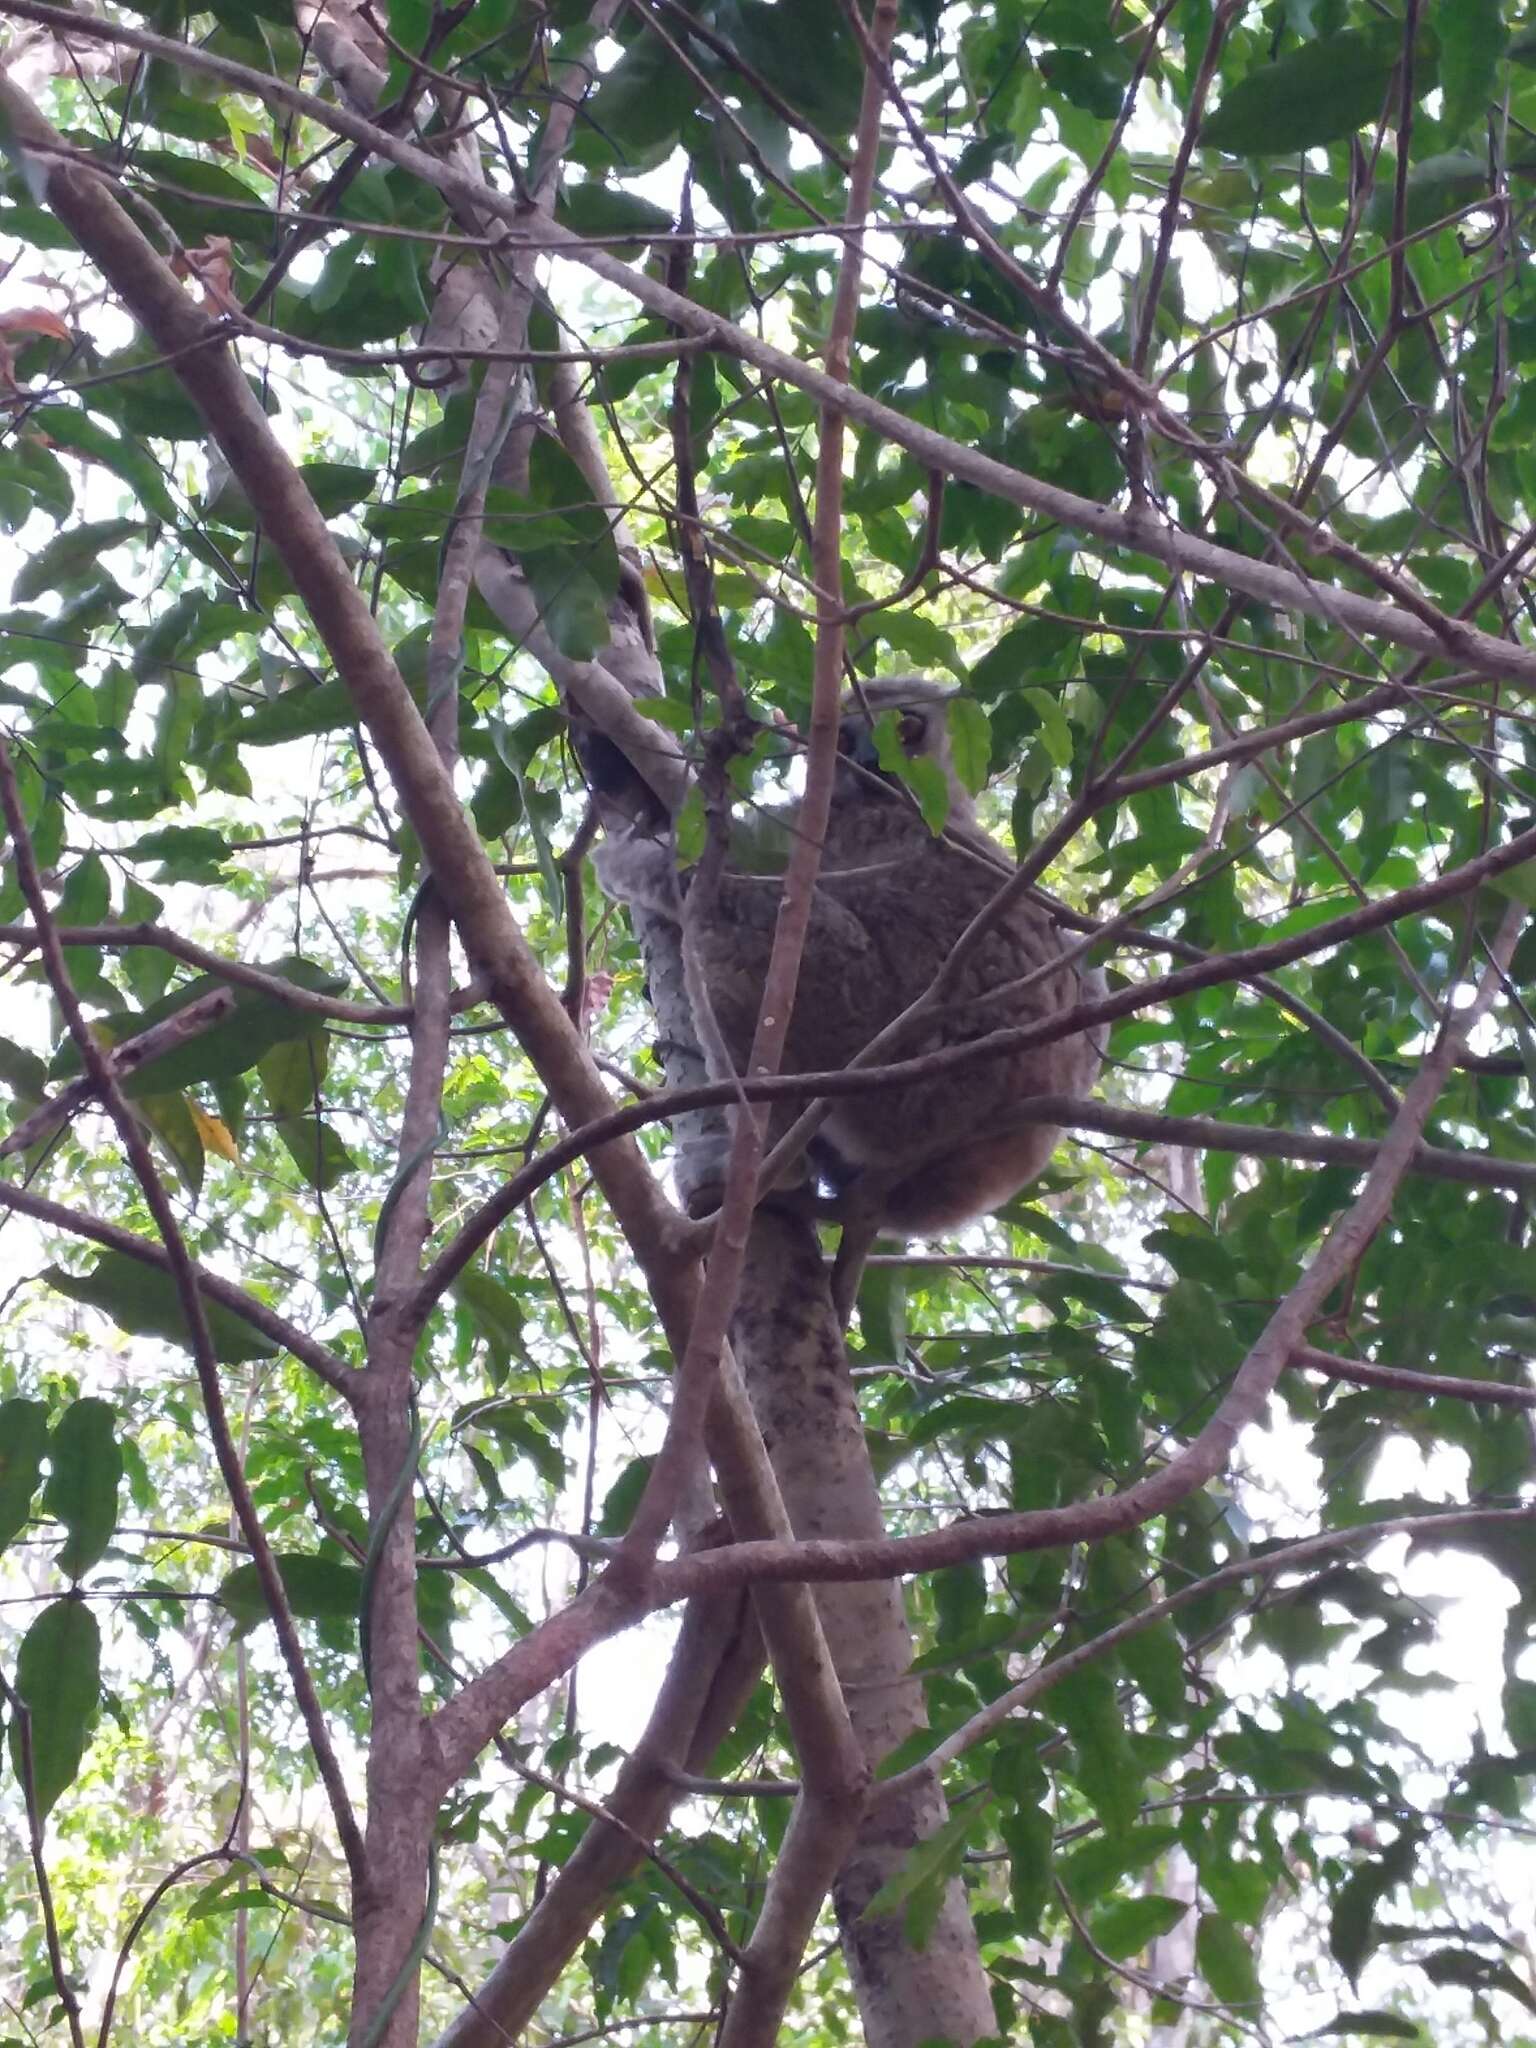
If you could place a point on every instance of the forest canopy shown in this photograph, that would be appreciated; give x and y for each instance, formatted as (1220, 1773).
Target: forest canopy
(454, 1588)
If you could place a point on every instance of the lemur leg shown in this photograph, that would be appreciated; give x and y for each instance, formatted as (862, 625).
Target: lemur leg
(861, 1210)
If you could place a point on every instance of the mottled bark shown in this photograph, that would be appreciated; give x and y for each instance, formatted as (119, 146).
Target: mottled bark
(713, 1668)
(791, 1351)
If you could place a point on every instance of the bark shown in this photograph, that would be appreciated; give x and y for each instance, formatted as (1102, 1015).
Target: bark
(787, 1339)
(713, 1669)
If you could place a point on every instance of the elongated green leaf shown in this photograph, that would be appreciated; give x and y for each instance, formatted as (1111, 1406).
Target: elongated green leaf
(1374, 2026)
(23, 1437)
(291, 1072)
(66, 427)
(1102, 1861)
(1352, 1925)
(70, 557)
(22, 1072)
(1320, 93)
(58, 1678)
(257, 1023)
(498, 1315)
(318, 1589)
(316, 1150)
(928, 1867)
(1029, 1837)
(970, 742)
(142, 1300)
(187, 853)
(1472, 39)
(85, 1470)
(334, 486)
(1125, 1926)
(1086, 1704)
(1226, 1962)
(594, 209)
(170, 1118)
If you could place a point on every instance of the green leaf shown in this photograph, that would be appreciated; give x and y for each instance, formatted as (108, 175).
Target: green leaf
(1226, 1962)
(1476, 1973)
(1437, 186)
(1125, 1926)
(142, 1300)
(1091, 1871)
(1029, 1837)
(308, 707)
(257, 1023)
(1086, 1705)
(170, 1118)
(691, 828)
(1055, 732)
(335, 487)
(77, 431)
(923, 776)
(497, 1314)
(1382, 2026)
(931, 1863)
(70, 557)
(1094, 80)
(882, 1309)
(316, 1150)
(1352, 1924)
(623, 1497)
(1472, 39)
(317, 1589)
(58, 1679)
(23, 1439)
(970, 742)
(215, 1898)
(292, 1071)
(1320, 93)
(85, 1470)
(590, 208)
(23, 1073)
(187, 853)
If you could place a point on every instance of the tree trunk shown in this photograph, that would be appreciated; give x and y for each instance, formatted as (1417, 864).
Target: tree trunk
(791, 1353)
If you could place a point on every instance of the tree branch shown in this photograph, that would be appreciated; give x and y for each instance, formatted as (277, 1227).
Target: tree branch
(323, 1363)
(1204, 1456)
(121, 937)
(98, 1068)
(1288, 1557)
(1424, 627)
(125, 1060)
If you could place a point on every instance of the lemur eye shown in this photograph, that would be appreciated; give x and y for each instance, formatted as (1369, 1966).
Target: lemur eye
(847, 736)
(913, 727)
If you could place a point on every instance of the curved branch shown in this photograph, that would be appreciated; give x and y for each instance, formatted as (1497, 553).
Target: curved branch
(1201, 1459)
(1290, 1557)
(1361, 1372)
(322, 1362)
(123, 937)
(1424, 627)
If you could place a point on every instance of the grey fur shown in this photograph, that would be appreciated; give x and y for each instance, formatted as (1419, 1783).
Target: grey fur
(891, 901)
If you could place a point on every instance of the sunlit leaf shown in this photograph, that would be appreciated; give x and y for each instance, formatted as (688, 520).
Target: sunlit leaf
(23, 1436)
(58, 1681)
(142, 1299)
(85, 1467)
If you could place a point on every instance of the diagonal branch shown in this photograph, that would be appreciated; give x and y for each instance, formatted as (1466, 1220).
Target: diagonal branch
(322, 1362)
(1207, 1454)
(1413, 622)
(98, 1068)
(125, 1060)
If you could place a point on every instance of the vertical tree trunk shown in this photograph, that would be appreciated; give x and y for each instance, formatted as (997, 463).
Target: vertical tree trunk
(791, 1351)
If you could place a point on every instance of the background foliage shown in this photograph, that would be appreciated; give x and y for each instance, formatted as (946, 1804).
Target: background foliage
(1305, 226)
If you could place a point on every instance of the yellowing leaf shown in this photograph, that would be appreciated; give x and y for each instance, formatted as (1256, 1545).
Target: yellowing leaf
(215, 1134)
